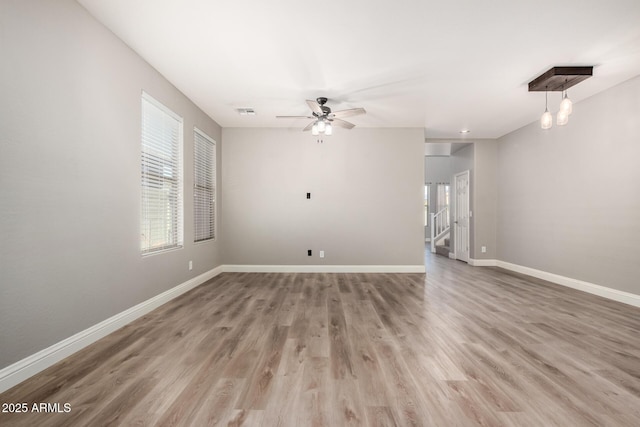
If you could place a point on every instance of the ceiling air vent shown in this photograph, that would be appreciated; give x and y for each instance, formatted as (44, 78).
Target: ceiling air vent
(246, 111)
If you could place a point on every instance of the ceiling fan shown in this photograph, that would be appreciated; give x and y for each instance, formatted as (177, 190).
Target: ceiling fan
(324, 119)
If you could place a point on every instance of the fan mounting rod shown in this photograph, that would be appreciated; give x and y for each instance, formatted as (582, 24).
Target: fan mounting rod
(325, 110)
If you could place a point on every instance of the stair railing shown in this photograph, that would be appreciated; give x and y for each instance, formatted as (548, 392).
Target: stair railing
(439, 226)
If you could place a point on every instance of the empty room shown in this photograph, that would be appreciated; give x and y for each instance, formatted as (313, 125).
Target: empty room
(287, 213)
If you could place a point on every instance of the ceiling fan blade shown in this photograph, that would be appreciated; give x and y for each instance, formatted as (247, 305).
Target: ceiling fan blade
(348, 113)
(309, 126)
(315, 107)
(295, 117)
(342, 123)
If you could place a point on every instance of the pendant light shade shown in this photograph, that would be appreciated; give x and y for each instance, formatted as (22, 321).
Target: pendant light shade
(314, 130)
(328, 129)
(546, 121)
(321, 126)
(566, 105)
(562, 118)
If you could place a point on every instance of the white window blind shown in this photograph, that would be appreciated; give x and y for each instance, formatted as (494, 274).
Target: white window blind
(161, 218)
(204, 187)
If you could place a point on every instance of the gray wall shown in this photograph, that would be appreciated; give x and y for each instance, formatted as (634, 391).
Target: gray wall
(485, 199)
(366, 197)
(69, 177)
(568, 197)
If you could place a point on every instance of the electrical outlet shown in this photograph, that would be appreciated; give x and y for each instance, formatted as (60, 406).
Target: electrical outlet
(190, 265)
(483, 249)
(321, 254)
(309, 252)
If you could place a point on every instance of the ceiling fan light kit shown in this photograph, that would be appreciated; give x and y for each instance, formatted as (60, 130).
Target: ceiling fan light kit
(328, 129)
(324, 119)
(559, 79)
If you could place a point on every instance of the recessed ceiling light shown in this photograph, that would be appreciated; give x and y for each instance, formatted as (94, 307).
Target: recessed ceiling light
(246, 111)
(465, 131)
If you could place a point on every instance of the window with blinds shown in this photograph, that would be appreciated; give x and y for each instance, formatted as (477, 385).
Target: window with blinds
(161, 167)
(204, 187)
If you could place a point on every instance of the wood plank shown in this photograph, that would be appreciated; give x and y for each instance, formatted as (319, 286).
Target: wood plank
(340, 353)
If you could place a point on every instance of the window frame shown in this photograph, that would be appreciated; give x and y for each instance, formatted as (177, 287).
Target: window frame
(213, 200)
(166, 157)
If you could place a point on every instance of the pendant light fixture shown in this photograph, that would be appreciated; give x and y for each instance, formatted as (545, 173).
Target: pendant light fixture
(562, 118)
(566, 105)
(559, 79)
(546, 121)
(314, 129)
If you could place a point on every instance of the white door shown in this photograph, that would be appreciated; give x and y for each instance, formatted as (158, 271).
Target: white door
(461, 217)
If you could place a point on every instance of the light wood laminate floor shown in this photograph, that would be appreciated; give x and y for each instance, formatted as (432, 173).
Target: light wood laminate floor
(459, 346)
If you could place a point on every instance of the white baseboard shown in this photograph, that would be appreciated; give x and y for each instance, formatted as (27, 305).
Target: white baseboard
(242, 268)
(31, 365)
(592, 288)
(483, 262)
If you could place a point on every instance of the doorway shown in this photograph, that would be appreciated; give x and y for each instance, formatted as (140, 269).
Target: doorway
(461, 216)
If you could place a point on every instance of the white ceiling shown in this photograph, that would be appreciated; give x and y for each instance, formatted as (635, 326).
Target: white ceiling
(441, 65)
